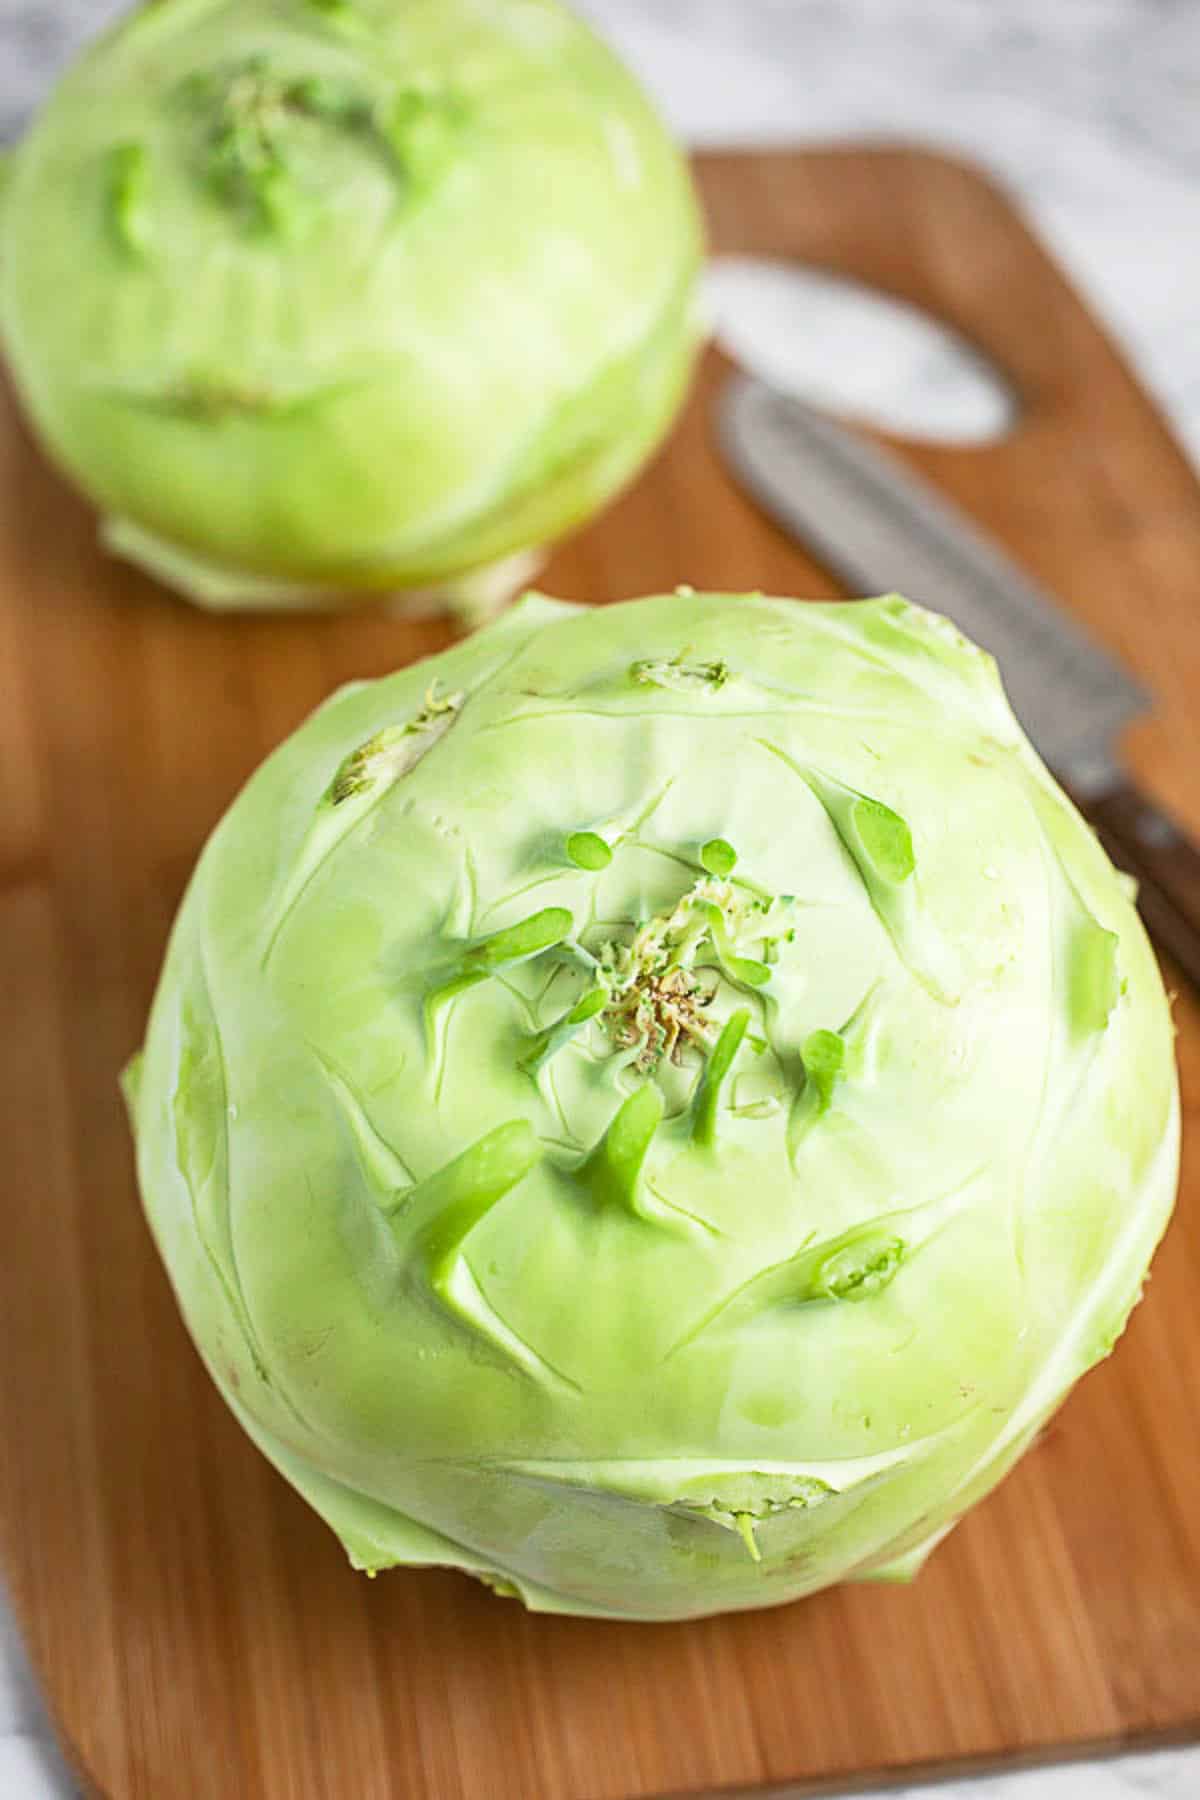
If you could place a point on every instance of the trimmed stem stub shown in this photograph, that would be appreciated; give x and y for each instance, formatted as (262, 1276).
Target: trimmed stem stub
(395, 750)
(433, 1219)
(514, 944)
(588, 850)
(548, 1042)
(708, 1094)
(613, 1170)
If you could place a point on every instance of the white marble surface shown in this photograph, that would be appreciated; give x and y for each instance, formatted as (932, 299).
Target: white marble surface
(1090, 109)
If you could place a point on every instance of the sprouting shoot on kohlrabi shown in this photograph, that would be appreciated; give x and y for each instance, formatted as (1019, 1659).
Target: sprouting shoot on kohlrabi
(314, 299)
(656, 1105)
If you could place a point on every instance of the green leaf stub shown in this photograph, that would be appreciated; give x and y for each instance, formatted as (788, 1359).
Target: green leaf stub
(719, 858)
(433, 1219)
(541, 931)
(613, 1170)
(128, 183)
(681, 676)
(708, 1094)
(587, 850)
(548, 1042)
(885, 838)
(824, 1057)
(394, 751)
(1095, 976)
(860, 1270)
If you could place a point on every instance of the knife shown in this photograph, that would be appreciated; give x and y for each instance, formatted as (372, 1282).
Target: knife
(879, 528)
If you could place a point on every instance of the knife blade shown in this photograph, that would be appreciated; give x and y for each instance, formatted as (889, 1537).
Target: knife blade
(879, 527)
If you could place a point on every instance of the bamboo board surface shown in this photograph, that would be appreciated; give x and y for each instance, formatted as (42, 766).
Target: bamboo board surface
(197, 1630)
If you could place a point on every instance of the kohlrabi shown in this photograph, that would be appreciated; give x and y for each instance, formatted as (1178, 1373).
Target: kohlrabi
(317, 296)
(656, 1105)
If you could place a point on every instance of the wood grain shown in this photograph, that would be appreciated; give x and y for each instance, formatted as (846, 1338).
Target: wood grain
(197, 1630)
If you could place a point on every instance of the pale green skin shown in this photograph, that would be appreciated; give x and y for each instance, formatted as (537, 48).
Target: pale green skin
(443, 346)
(562, 1373)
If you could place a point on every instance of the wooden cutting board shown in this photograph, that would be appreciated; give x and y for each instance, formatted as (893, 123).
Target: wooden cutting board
(197, 1630)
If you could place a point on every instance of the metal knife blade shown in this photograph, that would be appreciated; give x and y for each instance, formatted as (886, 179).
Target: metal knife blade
(879, 528)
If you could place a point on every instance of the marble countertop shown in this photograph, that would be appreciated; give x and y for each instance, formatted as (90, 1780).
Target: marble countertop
(1088, 108)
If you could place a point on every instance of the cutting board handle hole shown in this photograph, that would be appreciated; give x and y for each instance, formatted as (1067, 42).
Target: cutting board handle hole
(854, 350)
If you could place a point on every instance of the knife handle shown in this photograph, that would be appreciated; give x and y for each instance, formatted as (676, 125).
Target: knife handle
(1163, 859)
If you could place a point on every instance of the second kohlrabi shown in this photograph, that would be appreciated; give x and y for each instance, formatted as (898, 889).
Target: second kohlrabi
(321, 296)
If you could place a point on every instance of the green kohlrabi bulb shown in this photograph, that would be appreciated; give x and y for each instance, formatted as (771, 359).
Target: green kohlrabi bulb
(320, 297)
(656, 1105)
